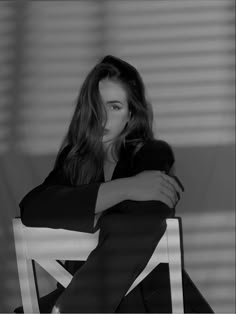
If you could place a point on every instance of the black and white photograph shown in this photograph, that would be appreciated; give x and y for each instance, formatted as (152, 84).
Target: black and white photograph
(117, 156)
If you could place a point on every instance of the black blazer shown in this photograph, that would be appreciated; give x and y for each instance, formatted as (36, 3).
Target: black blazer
(57, 204)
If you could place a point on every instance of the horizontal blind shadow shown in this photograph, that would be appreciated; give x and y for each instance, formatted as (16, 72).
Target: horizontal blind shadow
(62, 43)
(185, 53)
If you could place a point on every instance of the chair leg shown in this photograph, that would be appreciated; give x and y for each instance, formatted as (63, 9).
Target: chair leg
(174, 252)
(26, 273)
(28, 289)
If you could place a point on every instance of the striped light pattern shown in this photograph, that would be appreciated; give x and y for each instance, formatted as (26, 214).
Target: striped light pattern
(6, 72)
(183, 49)
(62, 42)
(185, 52)
(209, 245)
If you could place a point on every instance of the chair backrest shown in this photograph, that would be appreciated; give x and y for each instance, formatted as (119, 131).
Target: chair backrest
(46, 245)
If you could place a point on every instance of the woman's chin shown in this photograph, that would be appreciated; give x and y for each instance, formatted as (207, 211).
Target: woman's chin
(107, 139)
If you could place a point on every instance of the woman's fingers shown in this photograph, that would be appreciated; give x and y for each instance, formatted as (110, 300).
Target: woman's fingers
(170, 190)
(170, 195)
(173, 182)
(175, 194)
(165, 184)
(178, 181)
(165, 198)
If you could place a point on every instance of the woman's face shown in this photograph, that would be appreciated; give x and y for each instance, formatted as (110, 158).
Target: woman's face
(115, 101)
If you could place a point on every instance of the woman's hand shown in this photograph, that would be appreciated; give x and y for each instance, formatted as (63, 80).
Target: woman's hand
(154, 185)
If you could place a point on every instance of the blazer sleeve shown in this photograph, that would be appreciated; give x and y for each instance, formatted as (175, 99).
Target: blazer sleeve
(56, 204)
(153, 155)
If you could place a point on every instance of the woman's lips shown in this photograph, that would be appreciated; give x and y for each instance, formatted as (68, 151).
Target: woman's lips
(105, 131)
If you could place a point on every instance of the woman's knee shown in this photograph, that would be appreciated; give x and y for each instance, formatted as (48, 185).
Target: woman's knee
(136, 219)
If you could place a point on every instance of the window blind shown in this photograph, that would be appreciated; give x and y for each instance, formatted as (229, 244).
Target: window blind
(183, 49)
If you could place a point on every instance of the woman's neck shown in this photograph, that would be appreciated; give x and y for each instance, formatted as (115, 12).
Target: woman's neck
(109, 158)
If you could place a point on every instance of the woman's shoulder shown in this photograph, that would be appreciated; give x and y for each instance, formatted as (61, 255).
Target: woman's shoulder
(155, 146)
(56, 176)
(155, 153)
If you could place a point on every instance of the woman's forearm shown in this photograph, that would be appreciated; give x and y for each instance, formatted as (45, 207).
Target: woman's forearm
(148, 185)
(111, 193)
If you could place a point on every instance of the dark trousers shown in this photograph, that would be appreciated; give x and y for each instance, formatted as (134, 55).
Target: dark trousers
(128, 236)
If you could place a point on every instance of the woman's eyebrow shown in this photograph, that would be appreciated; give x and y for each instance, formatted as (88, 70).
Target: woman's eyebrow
(114, 102)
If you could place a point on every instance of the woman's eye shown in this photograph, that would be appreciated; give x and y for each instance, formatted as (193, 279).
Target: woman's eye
(115, 107)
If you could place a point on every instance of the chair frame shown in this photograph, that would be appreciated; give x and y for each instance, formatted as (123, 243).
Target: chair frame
(35, 244)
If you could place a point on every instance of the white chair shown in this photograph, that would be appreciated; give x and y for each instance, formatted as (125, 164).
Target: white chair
(46, 245)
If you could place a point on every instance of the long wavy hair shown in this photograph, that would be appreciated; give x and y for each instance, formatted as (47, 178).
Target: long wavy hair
(81, 155)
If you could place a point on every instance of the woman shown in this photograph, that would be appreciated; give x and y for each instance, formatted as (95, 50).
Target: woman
(111, 174)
